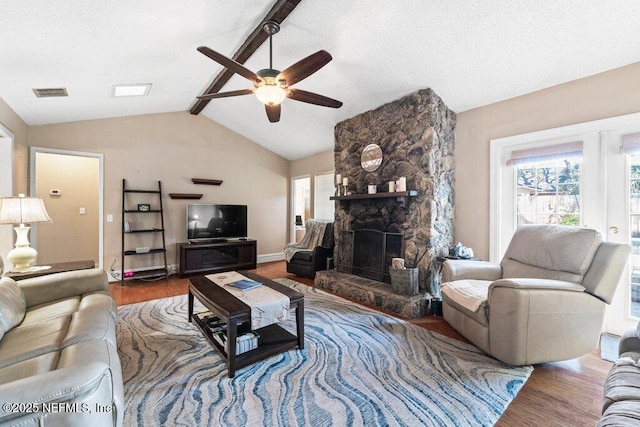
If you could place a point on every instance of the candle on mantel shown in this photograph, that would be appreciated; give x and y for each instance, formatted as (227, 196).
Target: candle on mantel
(401, 185)
(338, 178)
(345, 181)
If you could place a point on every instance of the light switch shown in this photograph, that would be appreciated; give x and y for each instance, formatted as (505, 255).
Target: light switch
(109, 218)
(83, 211)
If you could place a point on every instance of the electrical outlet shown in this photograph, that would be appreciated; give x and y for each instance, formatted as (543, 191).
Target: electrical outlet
(109, 218)
(83, 210)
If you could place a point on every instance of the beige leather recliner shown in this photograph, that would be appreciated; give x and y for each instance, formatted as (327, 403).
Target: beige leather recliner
(544, 302)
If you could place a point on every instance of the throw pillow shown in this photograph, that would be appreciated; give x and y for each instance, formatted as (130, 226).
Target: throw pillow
(12, 305)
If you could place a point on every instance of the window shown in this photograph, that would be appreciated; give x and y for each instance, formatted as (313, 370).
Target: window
(548, 192)
(634, 232)
(324, 188)
(634, 202)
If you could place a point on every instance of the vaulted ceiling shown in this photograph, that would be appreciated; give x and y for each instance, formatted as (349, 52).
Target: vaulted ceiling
(472, 53)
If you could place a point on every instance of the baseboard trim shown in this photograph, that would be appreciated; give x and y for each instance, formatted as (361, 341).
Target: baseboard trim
(278, 256)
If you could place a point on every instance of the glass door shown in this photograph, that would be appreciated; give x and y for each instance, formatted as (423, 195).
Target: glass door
(623, 225)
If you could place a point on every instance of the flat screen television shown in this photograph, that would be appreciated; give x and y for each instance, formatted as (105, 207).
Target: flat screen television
(213, 221)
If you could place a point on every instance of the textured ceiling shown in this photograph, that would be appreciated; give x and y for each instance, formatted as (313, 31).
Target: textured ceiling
(472, 53)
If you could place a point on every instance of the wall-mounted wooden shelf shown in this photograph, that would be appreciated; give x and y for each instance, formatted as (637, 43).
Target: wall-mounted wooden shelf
(204, 181)
(400, 196)
(185, 196)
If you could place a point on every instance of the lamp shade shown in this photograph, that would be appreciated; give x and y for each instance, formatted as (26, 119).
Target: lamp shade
(22, 210)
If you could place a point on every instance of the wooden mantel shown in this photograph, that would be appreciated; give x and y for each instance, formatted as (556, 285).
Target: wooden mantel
(400, 196)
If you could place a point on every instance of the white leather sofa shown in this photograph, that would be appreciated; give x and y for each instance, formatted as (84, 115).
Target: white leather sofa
(59, 363)
(544, 302)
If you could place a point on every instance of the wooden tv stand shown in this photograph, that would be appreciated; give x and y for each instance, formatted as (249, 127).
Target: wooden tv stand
(216, 257)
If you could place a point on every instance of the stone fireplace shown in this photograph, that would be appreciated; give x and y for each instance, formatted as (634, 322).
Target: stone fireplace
(416, 135)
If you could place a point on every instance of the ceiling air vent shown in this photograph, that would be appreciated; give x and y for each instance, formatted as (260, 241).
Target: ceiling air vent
(50, 92)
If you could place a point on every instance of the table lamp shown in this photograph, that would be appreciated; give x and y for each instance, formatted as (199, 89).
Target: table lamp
(22, 210)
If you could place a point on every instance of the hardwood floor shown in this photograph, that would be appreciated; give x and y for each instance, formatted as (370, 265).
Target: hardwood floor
(557, 394)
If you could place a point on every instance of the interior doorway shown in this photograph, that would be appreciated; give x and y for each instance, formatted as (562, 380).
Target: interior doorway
(6, 188)
(300, 205)
(71, 185)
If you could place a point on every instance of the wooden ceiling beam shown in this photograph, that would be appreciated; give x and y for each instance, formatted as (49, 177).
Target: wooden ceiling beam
(280, 10)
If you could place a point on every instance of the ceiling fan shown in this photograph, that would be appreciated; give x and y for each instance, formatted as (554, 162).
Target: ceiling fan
(271, 86)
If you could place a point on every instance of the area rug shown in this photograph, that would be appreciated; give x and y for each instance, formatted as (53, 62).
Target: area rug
(359, 367)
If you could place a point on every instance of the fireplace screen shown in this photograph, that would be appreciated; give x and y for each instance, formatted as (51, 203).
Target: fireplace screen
(372, 253)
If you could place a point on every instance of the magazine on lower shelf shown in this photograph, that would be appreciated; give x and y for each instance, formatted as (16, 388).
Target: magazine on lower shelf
(213, 322)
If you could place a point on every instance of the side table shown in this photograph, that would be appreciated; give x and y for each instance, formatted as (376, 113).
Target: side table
(58, 267)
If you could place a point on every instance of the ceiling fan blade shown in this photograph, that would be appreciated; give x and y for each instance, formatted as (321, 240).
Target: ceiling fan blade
(305, 67)
(313, 98)
(229, 63)
(273, 112)
(226, 94)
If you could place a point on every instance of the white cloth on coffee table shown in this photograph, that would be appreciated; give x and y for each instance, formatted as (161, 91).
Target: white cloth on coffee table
(268, 306)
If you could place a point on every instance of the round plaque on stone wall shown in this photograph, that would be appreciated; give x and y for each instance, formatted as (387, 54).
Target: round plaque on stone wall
(371, 157)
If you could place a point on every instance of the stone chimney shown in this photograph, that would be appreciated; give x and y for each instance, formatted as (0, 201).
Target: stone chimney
(416, 135)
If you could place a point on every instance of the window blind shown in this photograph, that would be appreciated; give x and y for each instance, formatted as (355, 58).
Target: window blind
(630, 143)
(550, 152)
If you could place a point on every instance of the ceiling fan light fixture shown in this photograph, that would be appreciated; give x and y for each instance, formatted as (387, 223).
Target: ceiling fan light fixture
(270, 94)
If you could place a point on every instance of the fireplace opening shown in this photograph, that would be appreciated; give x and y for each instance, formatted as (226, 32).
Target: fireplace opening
(372, 251)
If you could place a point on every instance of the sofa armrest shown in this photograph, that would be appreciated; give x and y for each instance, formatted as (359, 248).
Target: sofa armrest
(53, 287)
(320, 255)
(86, 385)
(521, 285)
(629, 341)
(469, 269)
(322, 251)
(530, 284)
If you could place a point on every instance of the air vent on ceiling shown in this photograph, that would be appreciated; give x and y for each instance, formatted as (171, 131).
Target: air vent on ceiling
(50, 92)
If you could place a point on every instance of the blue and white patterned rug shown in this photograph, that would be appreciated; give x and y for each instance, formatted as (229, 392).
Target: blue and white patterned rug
(358, 367)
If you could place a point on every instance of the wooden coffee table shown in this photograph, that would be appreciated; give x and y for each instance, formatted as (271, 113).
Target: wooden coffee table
(273, 338)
